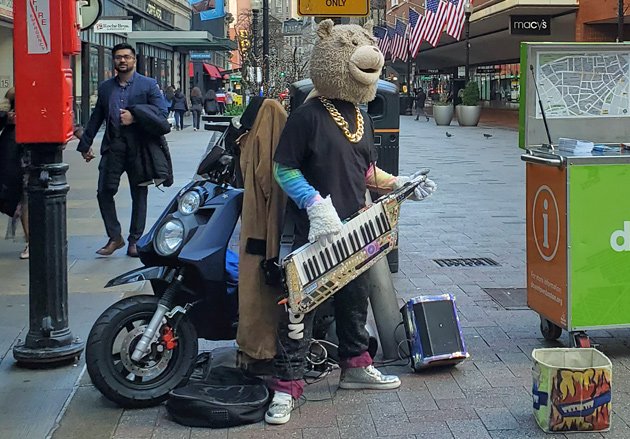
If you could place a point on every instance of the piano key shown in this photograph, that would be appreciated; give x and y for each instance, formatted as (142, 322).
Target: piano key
(318, 270)
(332, 263)
(345, 247)
(312, 267)
(380, 227)
(359, 245)
(371, 223)
(309, 276)
(366, 238)
(336, 249)
(384, 220)
(322, 258)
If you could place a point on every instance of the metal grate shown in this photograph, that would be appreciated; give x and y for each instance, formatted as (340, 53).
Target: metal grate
(509, 298)
(467, 262)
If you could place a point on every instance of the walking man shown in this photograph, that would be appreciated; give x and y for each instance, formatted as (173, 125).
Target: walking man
(421, 98)
(119, 148)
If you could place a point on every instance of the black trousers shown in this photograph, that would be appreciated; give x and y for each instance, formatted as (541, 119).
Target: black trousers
(295, 331)
(119, 158)
(196, 118)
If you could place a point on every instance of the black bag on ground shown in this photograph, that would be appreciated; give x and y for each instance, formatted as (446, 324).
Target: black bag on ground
(218, 396)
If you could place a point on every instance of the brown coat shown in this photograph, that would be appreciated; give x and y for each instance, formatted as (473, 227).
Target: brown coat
(263, 209)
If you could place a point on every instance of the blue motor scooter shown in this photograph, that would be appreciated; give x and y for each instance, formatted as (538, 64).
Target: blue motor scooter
(144, 346)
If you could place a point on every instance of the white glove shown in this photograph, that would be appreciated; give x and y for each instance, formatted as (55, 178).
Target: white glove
(324, 221)
(422, 191)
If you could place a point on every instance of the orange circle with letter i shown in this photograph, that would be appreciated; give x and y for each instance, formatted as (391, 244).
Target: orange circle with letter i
(546, 222)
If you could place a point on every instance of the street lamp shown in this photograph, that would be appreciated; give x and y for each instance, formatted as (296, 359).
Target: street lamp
(467, 12)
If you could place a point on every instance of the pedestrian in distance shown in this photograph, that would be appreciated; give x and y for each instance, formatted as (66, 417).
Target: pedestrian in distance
(196, 105)
(210, 105)
(180, 107)
(13, 171)
(420, 98)
(119, 100)
(169, 94)
(221, 100)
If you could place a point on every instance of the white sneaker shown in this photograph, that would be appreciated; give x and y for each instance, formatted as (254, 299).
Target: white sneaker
(279, 411)
(367, 378)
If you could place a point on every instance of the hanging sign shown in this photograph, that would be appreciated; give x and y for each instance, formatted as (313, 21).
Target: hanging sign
(109, 26)
(334, 8)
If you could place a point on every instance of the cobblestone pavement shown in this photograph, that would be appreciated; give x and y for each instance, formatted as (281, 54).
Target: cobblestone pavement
(477, 212)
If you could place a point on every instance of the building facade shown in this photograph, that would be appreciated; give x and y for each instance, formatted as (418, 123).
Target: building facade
(162, 61)
(495, 45)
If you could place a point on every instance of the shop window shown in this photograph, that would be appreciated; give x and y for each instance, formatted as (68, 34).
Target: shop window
(93, 81)
(108, 64)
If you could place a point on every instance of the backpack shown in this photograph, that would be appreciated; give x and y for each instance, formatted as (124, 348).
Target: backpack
(218, 394)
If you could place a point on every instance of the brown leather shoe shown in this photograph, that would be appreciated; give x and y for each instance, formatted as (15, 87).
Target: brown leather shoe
(111, 246)
(132, 250)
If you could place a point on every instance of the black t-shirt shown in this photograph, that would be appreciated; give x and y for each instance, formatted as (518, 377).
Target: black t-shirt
(313, 143)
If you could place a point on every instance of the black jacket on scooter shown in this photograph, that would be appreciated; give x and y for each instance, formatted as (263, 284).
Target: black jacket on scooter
(154, 161)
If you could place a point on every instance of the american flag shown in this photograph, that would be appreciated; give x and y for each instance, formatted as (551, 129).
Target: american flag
(401, 43)
(455, 17)
(391, 37)
(434, 16)
(415, 33)
(383, 41)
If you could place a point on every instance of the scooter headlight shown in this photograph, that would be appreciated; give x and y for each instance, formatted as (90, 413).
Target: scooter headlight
(189, 203)
(169, 237)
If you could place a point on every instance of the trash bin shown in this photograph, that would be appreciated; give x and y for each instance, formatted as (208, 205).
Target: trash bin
(572, 389)
(384, 110)
(406, 105)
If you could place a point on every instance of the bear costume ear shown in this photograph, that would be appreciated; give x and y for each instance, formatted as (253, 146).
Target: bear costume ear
(325, 28)
(369, 26)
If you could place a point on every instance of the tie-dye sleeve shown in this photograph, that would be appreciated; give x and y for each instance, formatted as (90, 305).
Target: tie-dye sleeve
(294, 184)
(378, 180)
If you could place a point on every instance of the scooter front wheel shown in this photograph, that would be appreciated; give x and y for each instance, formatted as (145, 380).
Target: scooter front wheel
(144, 383)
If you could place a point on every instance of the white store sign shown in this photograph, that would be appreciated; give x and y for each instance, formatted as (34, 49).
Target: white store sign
(113, 26)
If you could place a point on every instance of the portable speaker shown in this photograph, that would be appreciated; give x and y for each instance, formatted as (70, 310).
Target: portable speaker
(433, 331)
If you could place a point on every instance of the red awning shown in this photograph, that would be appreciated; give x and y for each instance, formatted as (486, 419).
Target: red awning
(212, 71)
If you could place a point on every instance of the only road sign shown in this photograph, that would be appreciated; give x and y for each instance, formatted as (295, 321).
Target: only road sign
(334, 8)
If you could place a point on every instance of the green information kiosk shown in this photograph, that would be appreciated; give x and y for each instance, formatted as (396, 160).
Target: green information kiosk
(577, 196)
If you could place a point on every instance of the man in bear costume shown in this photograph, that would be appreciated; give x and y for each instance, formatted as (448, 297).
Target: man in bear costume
(325, 162)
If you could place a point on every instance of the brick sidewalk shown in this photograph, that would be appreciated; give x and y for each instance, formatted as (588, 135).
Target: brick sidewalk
(478, 211)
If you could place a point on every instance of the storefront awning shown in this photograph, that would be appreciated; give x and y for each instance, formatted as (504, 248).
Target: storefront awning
(212, 71)
(183, 39)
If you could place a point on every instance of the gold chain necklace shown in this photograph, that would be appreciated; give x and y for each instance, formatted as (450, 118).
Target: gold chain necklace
(342, 123)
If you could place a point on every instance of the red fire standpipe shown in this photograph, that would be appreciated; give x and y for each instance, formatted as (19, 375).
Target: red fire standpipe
(46, 36)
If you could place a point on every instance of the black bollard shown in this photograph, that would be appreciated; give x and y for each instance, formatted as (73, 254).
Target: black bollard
(49, 340)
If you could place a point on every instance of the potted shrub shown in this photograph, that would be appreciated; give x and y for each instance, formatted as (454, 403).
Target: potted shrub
(469, 111)
(442, 111)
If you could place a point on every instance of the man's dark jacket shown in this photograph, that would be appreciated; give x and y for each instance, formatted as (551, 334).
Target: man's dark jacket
(146, 103)
(142, 90)
(154, 163)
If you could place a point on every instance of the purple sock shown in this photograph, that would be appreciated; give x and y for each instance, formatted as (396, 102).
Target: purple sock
(362, 360)
(295, 388)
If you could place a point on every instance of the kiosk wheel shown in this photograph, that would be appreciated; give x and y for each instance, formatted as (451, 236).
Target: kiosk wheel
(549, 330)
(580, 340)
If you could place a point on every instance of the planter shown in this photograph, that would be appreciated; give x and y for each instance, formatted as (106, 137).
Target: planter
(468, 115)
(443, 114)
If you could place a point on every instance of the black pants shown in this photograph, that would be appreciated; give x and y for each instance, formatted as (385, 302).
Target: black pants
(120, 158)
(196, 118)
(295, 331)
